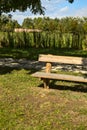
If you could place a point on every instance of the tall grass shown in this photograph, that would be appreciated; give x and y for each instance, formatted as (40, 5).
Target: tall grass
(43, 40)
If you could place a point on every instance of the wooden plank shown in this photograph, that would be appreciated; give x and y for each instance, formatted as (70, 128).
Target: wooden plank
(60, 77)
(63, 59)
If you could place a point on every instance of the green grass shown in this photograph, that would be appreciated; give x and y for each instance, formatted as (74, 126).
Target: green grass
(32, 53)
(25, 105)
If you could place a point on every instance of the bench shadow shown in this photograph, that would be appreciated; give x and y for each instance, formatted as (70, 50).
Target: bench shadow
(77, 87)
(5, 70)
(31, 71)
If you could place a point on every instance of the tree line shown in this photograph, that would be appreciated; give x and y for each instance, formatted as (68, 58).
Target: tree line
(67, 24)
(64, 25)
(68, 32)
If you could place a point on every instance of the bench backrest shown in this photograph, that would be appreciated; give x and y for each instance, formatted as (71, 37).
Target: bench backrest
(63, 59)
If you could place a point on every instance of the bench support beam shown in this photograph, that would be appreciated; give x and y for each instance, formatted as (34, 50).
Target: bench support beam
(46, 83)
(48, 70)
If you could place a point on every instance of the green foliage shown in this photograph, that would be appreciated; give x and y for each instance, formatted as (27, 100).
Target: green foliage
(43, 39)
(7, 24)
(67, 32)
(27, 23)
(63, 25)
(84, 45)
(35, 6)
(12, 5)
(32, 53)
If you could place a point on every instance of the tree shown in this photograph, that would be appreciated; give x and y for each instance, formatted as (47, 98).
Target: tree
(35, 6)
(7, 24)
(27, 23)
(71, 1)
(22, 5)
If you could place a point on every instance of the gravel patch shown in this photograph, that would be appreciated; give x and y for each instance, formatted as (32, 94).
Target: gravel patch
(28, 64)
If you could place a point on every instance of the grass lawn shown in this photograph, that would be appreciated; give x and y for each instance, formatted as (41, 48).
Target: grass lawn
(25, 105)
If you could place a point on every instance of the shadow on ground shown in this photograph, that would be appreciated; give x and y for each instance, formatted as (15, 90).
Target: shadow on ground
(5, 70)
(77, 87)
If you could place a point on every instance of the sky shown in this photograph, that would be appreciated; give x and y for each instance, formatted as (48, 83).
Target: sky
(55, 9)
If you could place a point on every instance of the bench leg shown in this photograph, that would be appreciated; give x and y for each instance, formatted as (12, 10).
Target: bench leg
(46, 83)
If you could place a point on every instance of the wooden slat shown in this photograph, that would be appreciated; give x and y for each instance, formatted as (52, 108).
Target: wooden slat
(63, 59)
(60, 77)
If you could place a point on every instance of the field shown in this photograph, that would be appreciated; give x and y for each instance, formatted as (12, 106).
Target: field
(26, 105)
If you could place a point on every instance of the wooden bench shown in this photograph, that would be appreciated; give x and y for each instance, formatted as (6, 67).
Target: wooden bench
(46, 76)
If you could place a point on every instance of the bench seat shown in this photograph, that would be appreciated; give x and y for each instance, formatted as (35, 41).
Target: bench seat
(64, 77)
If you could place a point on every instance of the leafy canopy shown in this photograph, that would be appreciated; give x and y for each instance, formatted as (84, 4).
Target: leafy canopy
(35, 6)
